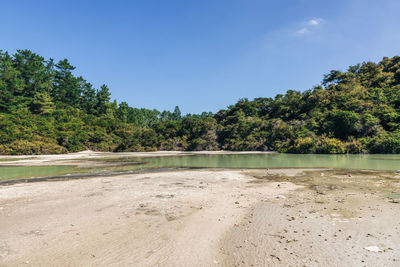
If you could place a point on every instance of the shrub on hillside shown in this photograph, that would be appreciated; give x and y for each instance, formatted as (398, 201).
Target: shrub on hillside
(389, 143)
(302, 145)
(24, 147)
(326, 145)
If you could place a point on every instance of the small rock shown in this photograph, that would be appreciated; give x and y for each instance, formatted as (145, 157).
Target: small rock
(321, 189)
(281, 197)
(373, 249)
(276, 257)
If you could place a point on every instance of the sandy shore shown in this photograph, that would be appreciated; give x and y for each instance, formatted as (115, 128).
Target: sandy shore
(202, 218)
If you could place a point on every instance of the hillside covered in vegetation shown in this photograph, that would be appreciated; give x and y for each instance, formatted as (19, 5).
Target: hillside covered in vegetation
(45, 108)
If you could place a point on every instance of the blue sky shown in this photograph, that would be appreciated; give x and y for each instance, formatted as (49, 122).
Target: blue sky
(203, 55)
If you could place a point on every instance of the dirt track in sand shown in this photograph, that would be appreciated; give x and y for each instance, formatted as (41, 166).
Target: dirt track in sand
(198, 218)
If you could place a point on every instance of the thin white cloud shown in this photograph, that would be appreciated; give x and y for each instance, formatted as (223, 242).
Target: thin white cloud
(309, 26)
(315, 22)
(302, 31)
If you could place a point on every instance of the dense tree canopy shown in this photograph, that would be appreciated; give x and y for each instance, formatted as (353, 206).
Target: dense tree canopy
(45, 108)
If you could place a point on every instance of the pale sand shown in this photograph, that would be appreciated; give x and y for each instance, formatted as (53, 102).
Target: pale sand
(195, 218)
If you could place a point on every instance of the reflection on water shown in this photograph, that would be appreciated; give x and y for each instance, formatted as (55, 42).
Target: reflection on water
(275, 160)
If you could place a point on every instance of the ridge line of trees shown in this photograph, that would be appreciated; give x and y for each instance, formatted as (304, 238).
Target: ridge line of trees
(45, 108)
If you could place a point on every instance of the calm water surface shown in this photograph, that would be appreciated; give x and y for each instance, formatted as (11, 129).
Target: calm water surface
(33, 171)
(267, 160)
(275, 160)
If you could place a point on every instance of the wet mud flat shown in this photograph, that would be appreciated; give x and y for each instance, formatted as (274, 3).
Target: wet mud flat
(204, 217)
(339, 218)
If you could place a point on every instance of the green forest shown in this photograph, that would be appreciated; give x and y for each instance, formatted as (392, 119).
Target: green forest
(46, 109)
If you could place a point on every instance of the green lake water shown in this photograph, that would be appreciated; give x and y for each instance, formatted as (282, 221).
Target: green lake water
(262, 160)
(33, 171)
(276, 160)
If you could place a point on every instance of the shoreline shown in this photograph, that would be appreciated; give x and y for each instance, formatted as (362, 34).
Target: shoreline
(89, 164)
(78, 176)
(160, 153)
(72, 158)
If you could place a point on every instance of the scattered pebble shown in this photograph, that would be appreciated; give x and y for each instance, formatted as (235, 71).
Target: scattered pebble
(373, 249)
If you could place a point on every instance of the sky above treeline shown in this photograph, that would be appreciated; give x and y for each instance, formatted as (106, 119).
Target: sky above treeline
(203, 55)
